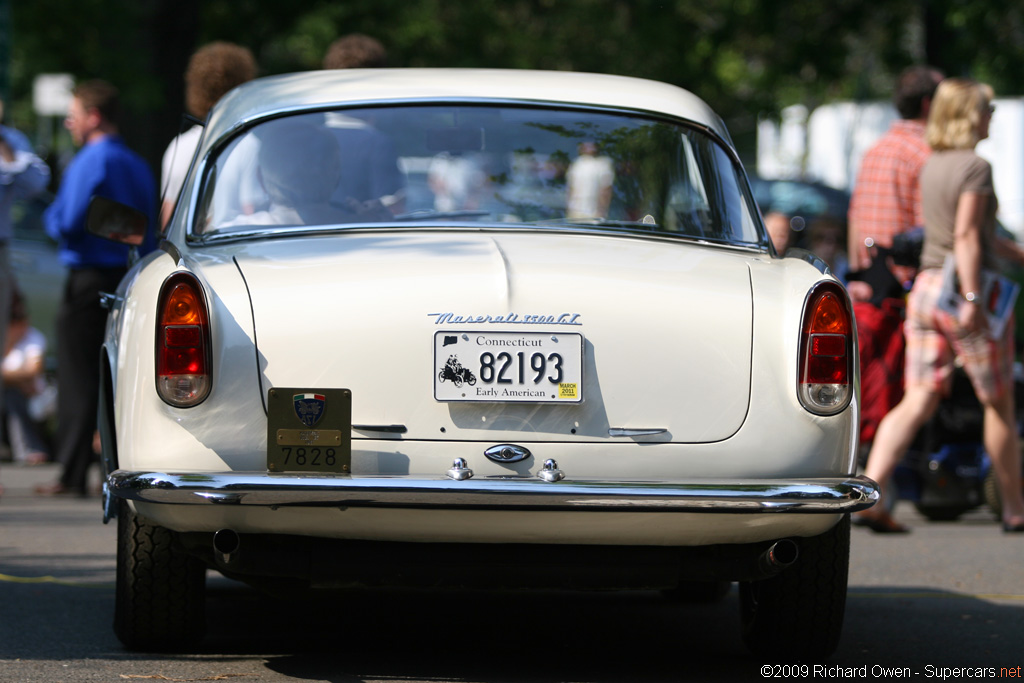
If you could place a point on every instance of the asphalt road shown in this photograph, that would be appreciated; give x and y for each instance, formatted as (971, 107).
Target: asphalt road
(948, 596)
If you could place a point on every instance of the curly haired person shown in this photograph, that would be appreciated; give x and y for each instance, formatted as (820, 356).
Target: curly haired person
(213, 70)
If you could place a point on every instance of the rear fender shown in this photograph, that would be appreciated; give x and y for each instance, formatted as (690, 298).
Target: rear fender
(108, 435)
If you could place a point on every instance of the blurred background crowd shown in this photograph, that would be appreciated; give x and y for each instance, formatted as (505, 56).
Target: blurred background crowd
(754, 63)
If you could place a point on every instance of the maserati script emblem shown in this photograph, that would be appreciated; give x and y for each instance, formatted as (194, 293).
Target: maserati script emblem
(507, 319)
(309, 408)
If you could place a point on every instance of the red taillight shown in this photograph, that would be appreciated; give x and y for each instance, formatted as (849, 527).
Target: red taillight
(182, 342)
(827, 348)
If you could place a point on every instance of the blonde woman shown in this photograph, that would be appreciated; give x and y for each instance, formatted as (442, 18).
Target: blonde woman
(959, 206)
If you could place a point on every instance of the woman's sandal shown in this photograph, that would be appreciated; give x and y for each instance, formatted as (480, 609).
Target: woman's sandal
(1013, 528)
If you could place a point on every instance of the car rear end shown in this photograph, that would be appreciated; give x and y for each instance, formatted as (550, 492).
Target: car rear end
(375, 391)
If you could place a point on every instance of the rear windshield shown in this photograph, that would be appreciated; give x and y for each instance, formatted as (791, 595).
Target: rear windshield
(453, 165)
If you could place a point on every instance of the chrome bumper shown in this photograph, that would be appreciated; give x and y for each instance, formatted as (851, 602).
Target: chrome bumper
(822, 496)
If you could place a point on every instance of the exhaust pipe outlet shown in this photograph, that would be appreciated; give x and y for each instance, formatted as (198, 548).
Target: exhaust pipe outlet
(225, 545)
(780, 555)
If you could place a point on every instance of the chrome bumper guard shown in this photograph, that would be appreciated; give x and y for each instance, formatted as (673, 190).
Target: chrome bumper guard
(821, 496)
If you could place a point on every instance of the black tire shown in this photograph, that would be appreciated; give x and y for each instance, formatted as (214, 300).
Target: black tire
(697, 592)
(160, 598)
(798, 614)
(942, 513)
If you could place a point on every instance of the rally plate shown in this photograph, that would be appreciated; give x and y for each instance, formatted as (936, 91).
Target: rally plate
(309, 430)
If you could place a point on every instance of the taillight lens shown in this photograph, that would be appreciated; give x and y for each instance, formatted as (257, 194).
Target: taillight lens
(828, 349)
(182, 342)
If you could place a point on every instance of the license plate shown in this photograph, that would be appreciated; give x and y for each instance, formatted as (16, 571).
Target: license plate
(309, 430)
(503, 367)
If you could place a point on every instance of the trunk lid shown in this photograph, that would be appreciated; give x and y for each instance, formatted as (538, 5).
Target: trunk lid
(666, 328)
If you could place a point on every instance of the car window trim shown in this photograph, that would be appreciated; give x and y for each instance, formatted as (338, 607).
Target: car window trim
(198, 172)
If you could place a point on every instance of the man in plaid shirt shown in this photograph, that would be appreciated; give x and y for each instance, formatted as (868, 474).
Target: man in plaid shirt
(886, 199)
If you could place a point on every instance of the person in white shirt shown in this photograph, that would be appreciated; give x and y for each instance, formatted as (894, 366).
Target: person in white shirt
(22, 367)
(213, 70)
(589, 180)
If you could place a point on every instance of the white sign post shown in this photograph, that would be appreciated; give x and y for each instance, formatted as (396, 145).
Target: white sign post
(51, 94)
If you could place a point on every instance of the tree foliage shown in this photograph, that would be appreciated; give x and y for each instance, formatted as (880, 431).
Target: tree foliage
(747, 58)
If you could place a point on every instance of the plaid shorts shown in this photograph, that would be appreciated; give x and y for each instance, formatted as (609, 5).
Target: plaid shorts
(935, 339)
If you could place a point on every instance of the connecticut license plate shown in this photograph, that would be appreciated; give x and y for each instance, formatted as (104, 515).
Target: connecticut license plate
(309, 430)
(529, 367)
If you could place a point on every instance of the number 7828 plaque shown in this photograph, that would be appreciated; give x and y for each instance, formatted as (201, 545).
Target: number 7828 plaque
(309, 430)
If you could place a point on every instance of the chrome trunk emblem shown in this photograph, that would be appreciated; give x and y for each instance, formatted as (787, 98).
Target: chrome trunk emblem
(507, 452)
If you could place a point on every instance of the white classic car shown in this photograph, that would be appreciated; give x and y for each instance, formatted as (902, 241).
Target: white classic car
(523, 324)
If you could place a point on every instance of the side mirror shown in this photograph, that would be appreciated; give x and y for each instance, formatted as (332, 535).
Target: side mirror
(116, 222)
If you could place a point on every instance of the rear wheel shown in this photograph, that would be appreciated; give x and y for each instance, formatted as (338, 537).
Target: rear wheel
(943, 513)
(160, 596)
(799, 613)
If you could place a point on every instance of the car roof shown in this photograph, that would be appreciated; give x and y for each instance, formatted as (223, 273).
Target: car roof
(340, 87)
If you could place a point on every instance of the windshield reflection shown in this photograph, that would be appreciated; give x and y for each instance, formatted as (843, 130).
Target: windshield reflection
(477, 164)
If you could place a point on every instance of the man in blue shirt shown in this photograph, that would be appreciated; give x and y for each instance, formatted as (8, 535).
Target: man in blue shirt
(103, 167)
